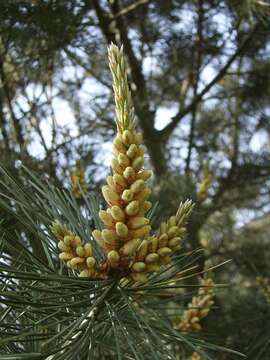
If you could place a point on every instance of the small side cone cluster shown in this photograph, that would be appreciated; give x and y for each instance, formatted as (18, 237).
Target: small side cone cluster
(196, 356)
(126, 238)
(205, 184)
(78, 183)
(198, 308)
(76, 255)
(155, 251)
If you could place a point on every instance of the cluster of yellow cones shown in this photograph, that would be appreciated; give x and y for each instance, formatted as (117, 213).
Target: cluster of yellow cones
(130, 247)
(199, 308)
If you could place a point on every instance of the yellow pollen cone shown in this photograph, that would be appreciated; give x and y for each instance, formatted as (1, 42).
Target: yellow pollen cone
(80, 251)
(174, 242)
(137, 222)
(110, 196)
(65, 256)
(163, 240)
(141, 232)
(146, 205)
(130, 247)
(129, 173)
(106, 218)
(142, 250)
(173, 231)
(113, 258)
(163, 228)
(138, 138)
(121, 229)
(88, 251)
(137, 186)
(119, 144)
(137, 163)
(77, 241)
(144, 175)
(63, 247)
(165, 251)
(117, 213)
(123, 160)
(132, 151)
(151, 258)
(91, 262)
(68, 240)
(110, 182)
(85, 273)
(141, 150)
(75, 261)
(109, 236)
(132, 208)
(127, 195)
(116, 166)
(143, 195)
(127, 137)
(58, 230)
(139, 266)
(97, 235)
(119, 180)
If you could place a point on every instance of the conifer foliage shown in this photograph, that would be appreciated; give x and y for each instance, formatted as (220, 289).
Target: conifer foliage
(118, 306)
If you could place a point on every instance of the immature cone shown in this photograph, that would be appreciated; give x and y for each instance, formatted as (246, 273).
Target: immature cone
(198, 308)
(77, 256)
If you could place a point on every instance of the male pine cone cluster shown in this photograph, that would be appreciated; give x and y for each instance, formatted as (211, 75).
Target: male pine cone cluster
(198, 308)
(126, 235)
(77, 255)
(126, 239)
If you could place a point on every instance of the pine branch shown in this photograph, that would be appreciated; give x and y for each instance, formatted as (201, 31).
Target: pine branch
(222, 72)
(49, 311)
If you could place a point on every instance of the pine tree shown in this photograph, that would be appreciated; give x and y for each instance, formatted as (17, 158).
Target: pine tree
(106, 285)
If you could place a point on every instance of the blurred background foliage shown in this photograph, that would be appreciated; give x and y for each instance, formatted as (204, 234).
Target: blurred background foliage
(199, 72)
